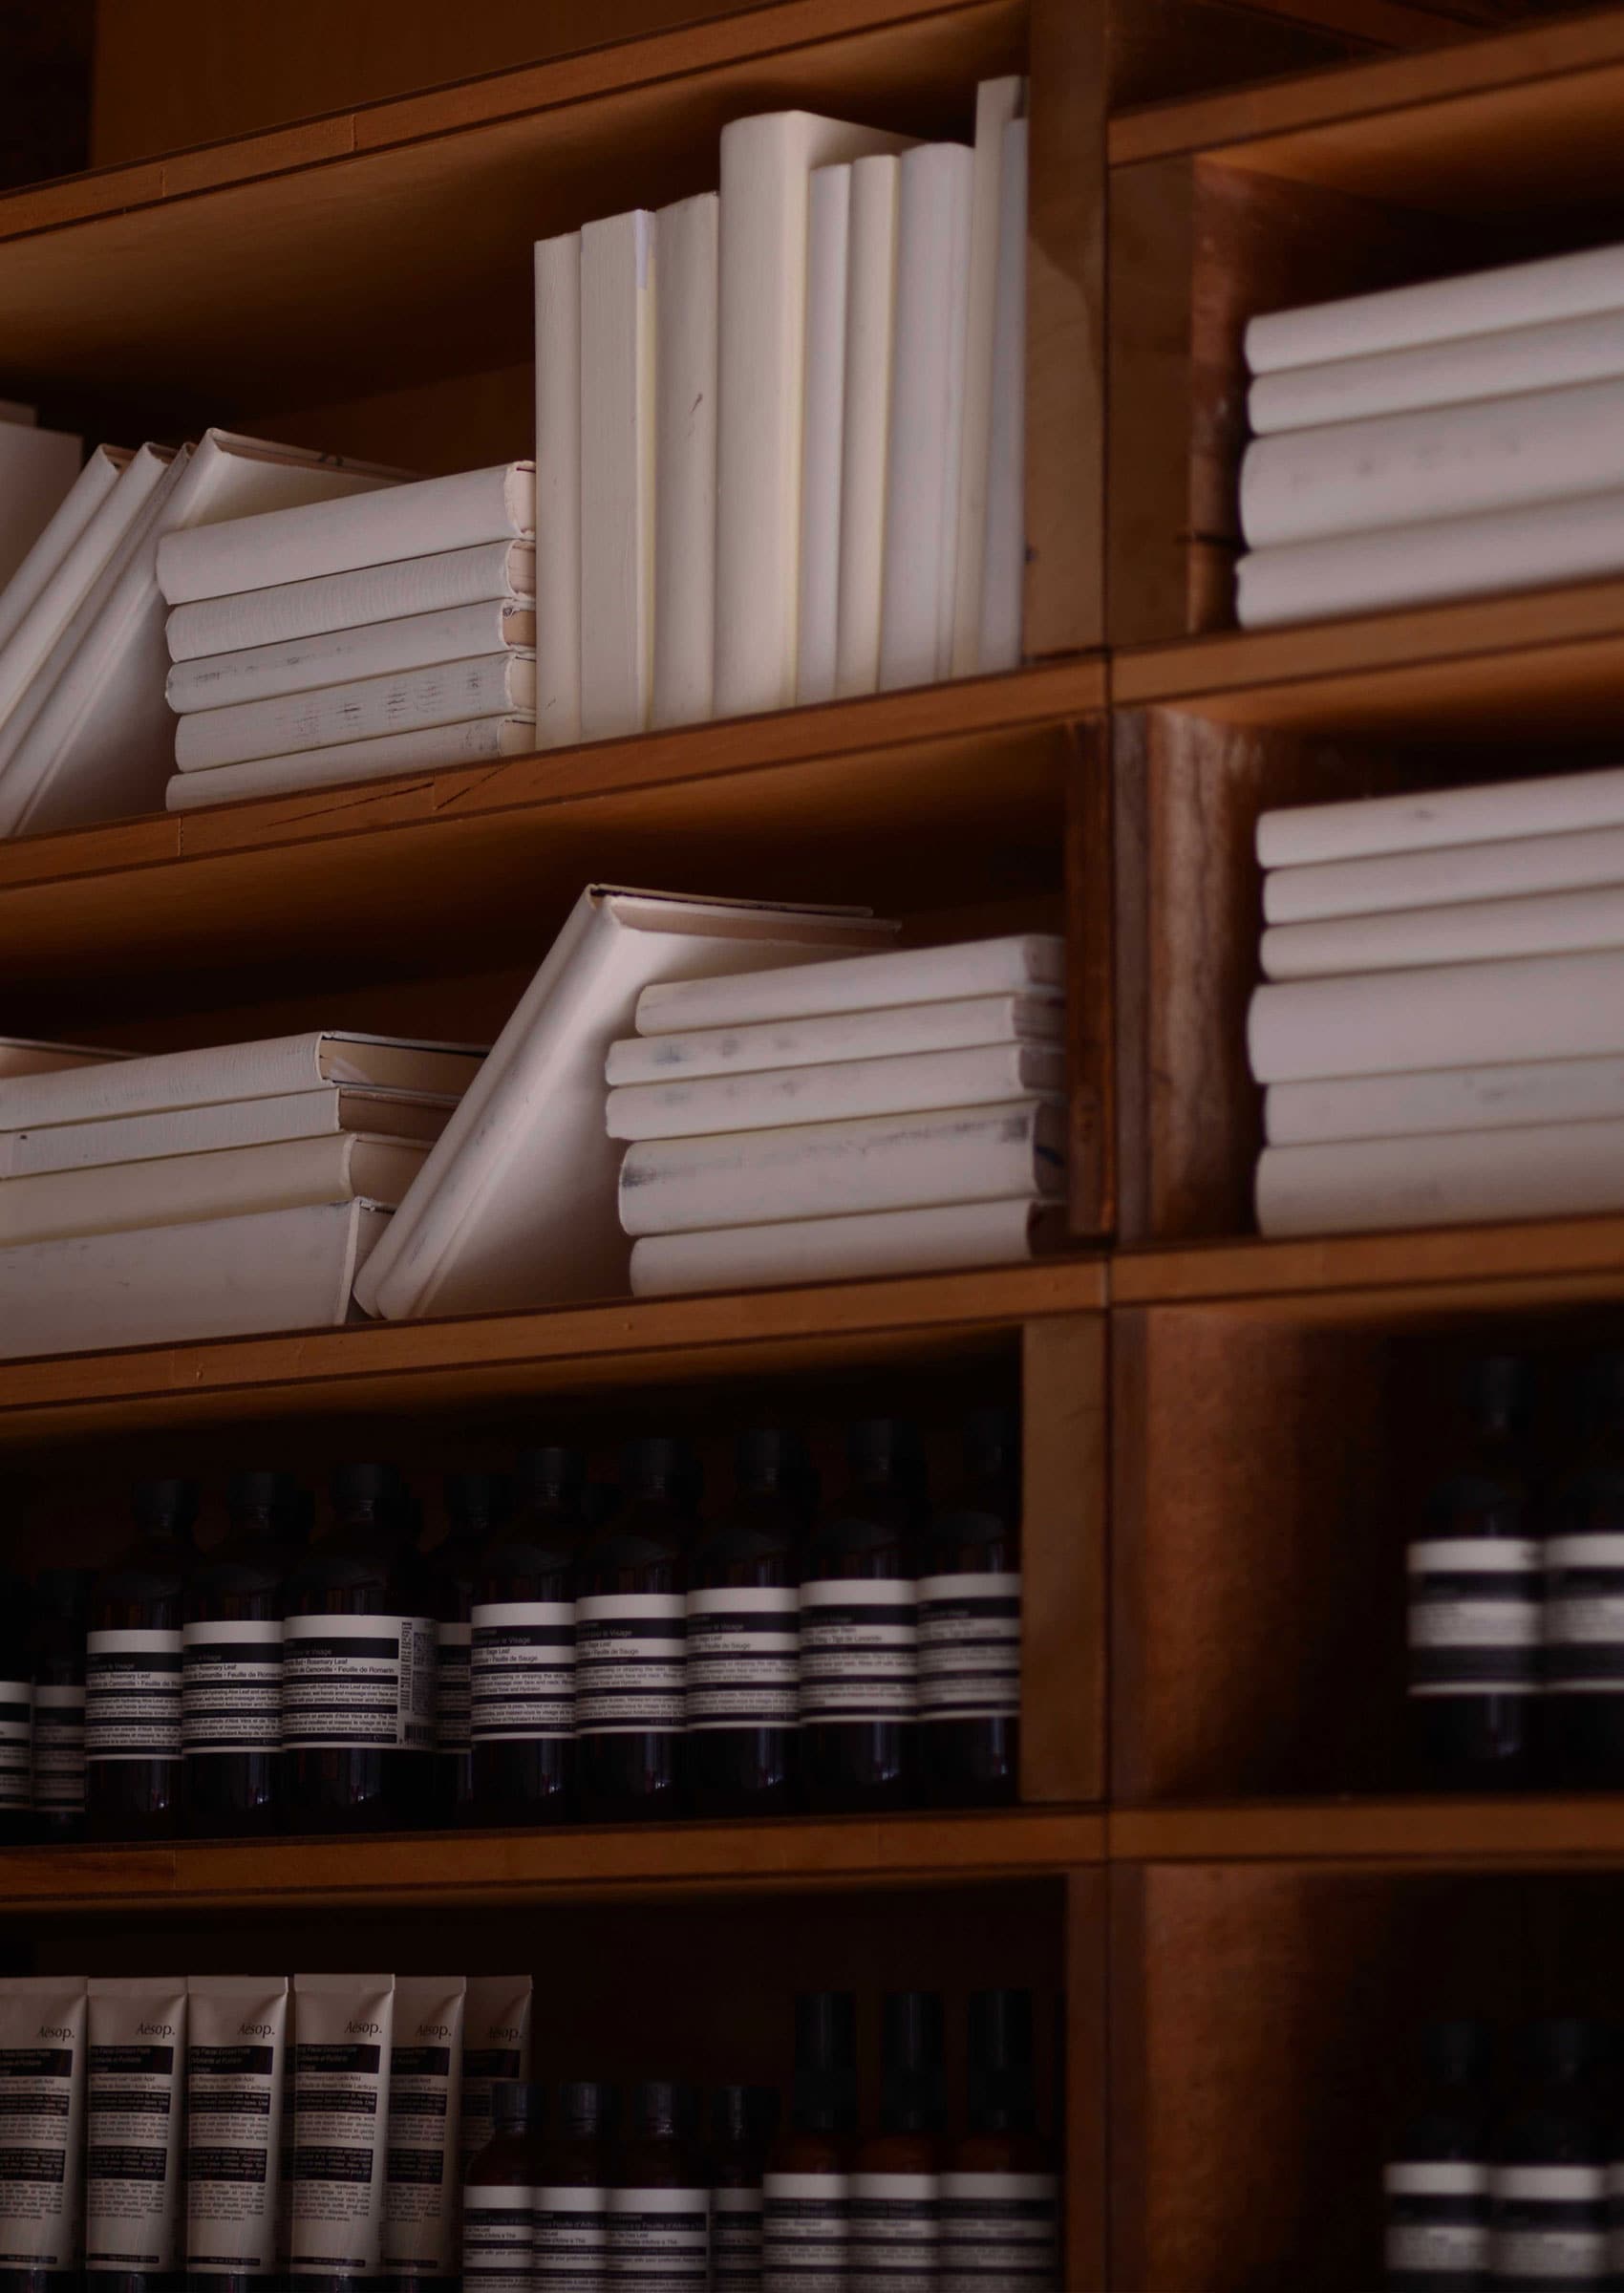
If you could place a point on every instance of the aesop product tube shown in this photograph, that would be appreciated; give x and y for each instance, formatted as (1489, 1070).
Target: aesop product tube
(236, 2071)
(496, 2043)
(42, 2064)
(343, 2033)
(135, 2129)
(423, 2227)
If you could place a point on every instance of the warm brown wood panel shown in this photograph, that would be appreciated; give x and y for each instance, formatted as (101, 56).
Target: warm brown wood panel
(1064, 1560)
(1537, 1830)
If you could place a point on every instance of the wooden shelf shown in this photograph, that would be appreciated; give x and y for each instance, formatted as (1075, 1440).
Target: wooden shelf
(1506, 1832)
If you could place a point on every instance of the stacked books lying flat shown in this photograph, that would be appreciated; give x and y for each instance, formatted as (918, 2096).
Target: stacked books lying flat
(779, 428)
(342, 640)
(206, 1194)
(1443, 1034)
(1450, 439)
(882, 1114)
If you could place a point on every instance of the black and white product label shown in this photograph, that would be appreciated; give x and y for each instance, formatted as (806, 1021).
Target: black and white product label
(660, 2241)
(628, 1663)
(340, 2116)
(736, 2240)
(896, 2232)
(1437, 2217)
(132, 1695)
(572, 2235)
(1474, 1620)
(1000, 2233)
(59, 1752)
(482, 2067)
(132, 2158)
(41, 2110)
(1549, 2226)
(421, 2224)
(805, 2232)
(522, 1674)
(452, 1688)
(16, 1744)
(497, 2240)
(233, 2137)
(859, 1649)
(970, 1646)
(1584, 1614)
(358, 1684)
(231, 1687)
(743, 1657)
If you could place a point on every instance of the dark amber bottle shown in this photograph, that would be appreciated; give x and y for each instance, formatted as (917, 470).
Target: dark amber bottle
(231, 1668)
(572, 2188)
(523, 1646)
(859, 1630)
(1436, 2177)
(473, 1503)
(497, 2192)
(742, 1623)
(132, 1654)
(60, 1602)
(1582, 1706)
(896, 2174)
(1548, 2212)
(630, 1634)
(970, 1625)
(743, 2122)
(659, 2200)
(806, 2185)
(1001, 2194)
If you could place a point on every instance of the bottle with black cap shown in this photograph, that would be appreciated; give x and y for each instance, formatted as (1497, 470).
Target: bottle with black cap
(523, 1652)
(358, 1666)
(1583, 1712)
(16, 1712)
(659, 2200)
(1475, 1595)
(806, 2186)
(1436, 2179)
(629, 1636)
(1547, 2182)
(499, 2194)
(572, 2178)
(970, 1625)
(1000, 2194)
(60, 1602)
(743, 2121)
(859, 1630)
(133, 1657)
(742, 1622)
(231, 1661)
(896, 2176)
(473, 1503)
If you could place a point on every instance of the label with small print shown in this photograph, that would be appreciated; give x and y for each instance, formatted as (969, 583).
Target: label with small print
(132, 1695)
(1437, 2217)
(453, 1687)
(358, 1684)
(1549, 2226)
(231, 1687)
(859, 1643)
(659, 2239)
(896, 2232)
(233, 2103)
(1584, 1614)
(736, 2240)
(1000, 2233)
(40, 2135)
(419, 2199)
(805, 2232)
(495, 2239)
(630, 1664)
(133, 2159)
(571, 2239)
(970, 1645)
(743, 1657)
(16, 1744)
(340, 2097)
(521, 1681)
(59, 1750)
(1475, 1618)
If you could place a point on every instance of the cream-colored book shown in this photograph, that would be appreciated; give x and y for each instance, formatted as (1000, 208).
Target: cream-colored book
(20, 1056)
(985, 1077)
(324, 1057)
(319, 1114)
(558, 490)
(368, 708)
(619, 288)
(685, 461)
(339, 656)
(430, 748)
(835, 1250)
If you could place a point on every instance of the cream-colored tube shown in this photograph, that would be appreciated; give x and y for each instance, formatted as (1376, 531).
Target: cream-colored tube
(42, 2061)
(236, 2070)
(134, 2124)
(495, 2045)
(422, 2214)
(344, 2028)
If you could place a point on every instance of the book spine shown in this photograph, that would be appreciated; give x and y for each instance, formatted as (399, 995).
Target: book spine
(1568, 1169)
(558, 490)
(144, 1138)
(431, 747)
(490, 573)
(961, 1023)
(827, 1250)
(1021, 963)
(618, 291)
(52, 545)
(823, 427)
(998, 102)
(170, 1078)
(1476, 932)
(1458, 874)
(378, 649)
(685, 461)
(913, 1084)
(1490, 812)
(1004, 575)
(1393, 1107)
(444, 692)
(186, 1189)
(871, 262)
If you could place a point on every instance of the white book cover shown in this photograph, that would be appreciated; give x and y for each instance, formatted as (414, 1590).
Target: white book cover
(22, 1055)
(913, 1084)
(766, 168)
(1003, 583)
(340, 656)
(1459, 1178)
(919, 581)
(833, 1250)
(366, 709)
(1445, 877)
(1478, 931)
(823, 427)
(558, 489)
(516, 1205)
(1460, 1015)
(835, 1169)
(1446, 461)
(75, 511)
(14, 409)
(685, 461)
(1478, 302)
(490, 573)
(232, 1277)
(326, 1058)
(1397, 1107)
(181, 1190)
(619, 291)
(233, 1123)
(430, 748)
(37, 470)
(1486, 812)
(1016, 964)
(871, 315)
(999, 104)
(956, 1023)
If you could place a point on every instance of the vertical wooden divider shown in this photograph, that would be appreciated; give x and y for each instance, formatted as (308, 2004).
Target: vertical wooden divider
(1063, 1405)
(1089, 981)
(1088, 2098)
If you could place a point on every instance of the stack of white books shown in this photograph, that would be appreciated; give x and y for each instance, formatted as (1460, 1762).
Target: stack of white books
(349, 639)
(1450, 439)
(1443, 1034)
(84, 731)
(206, 1194)
(880, 1114)
(779, 428)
